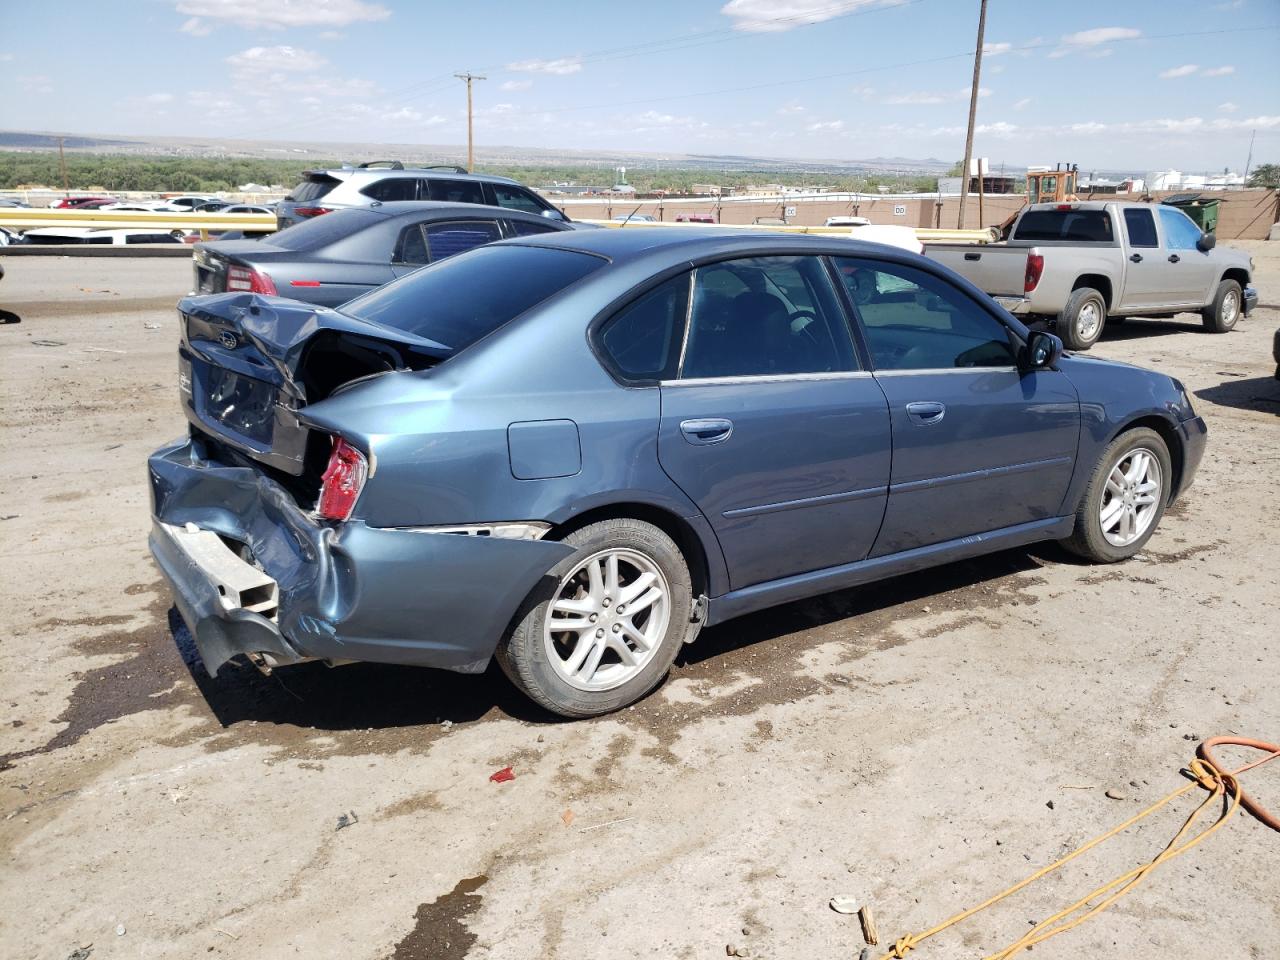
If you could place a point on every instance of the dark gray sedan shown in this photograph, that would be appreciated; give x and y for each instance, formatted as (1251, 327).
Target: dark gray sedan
(331, 259)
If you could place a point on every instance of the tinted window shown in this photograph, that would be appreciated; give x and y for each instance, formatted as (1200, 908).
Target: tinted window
(413, 246)
(643, 339)
(525, 228)
(1081, 226)
(765, 316)
(916, 321)
(515, 199)
(151, 238)
(1141, 227)
(455, 191)
(320, 231)
(312, 189)
(1179, 232)
(459, 300)
(448, 239)
(392, 189)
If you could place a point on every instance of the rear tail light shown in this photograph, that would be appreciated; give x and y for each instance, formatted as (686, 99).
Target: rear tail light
(304, 283)
(248, 280)
(342, 482)
(1035, 269)
(312, 211)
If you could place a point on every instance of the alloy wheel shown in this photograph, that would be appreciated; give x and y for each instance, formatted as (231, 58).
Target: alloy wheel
(1131, 499)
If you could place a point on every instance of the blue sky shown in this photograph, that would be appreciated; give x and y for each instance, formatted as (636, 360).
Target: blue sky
(1103, 84)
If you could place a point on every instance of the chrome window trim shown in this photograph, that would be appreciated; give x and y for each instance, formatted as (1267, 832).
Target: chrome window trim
(769, 378)
(499, 530)
(931, 370)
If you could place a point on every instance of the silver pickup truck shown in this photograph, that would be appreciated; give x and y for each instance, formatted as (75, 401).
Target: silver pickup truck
(1078, 264)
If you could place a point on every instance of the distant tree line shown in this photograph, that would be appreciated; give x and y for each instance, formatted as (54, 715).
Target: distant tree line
(119, 172)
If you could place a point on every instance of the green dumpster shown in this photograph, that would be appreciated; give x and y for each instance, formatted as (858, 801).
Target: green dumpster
(1204, 213)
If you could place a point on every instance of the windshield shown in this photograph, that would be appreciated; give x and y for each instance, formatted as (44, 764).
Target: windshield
(459, 300)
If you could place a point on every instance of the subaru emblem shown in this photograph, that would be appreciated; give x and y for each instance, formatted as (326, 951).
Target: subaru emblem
(229, 339)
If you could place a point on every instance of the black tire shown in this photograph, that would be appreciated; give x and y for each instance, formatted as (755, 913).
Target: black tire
(524, 657)
(1082, 320)
(1226, 308)
(1088, 540)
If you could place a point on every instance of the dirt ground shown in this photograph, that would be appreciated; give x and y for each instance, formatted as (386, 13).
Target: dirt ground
(916, 744)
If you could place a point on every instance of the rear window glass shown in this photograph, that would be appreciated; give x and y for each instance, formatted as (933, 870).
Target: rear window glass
(1083, 226)
(323, 230)
(313, 188)
(464, 298)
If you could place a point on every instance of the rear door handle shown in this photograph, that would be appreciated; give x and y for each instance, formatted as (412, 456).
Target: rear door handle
(973, 256)
(706, 431)
(925, 412)
(1135, 258)
(1174, 258)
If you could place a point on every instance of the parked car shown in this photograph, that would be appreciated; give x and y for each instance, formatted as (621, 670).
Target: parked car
(213, 206)
(12, 203)
(331, 260)
(575, 450)
(67, 203)
(635, 218)
(1077, 264)
(370, 184)
(695, 218)
(90, 235)
(181, 204)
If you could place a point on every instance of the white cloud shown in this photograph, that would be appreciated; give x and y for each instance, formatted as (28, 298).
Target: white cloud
(262, 71)
(158, 98)
(1219, 71)
(791, 108)
(196, 27)
(257, 60)
(35, 83)
(1091, 38)
(1227, 107)
(277, 14)
(332, 35)
(517, 85)
(926, 97)
(5, 57)
(559, 67)
(761, 16)
(828, 126)
(1186, 70)
(1022, 104)
(995, 49)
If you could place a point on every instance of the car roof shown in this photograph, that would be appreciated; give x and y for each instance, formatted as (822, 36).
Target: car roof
(342, 173)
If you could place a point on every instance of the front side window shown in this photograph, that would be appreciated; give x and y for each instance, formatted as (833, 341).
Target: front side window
(392, 189)
(1141, 226)
(513, 198)
(916, 321)
(1179, 232)
(765, 316)
(459, 236)
(413, 246)
(455, 191)
(643, 339)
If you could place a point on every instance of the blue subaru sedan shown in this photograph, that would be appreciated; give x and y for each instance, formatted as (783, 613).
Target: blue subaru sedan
(574, 451)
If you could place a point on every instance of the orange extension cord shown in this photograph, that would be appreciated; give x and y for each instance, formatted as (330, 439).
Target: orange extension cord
(1207, 773)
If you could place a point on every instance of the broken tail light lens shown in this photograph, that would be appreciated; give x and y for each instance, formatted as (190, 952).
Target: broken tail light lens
(342, 481)
(247, 280)
(1035, 269)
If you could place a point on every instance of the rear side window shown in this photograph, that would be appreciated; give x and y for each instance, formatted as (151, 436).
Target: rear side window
(392, 189)
(513, 198)
(455, 191)
(1141, 226)
(524, 228)
(320, 231)
(643, 339)
(313, 188)
(1078, 226)
(1179, 232)
(459, 300)
(448, 239)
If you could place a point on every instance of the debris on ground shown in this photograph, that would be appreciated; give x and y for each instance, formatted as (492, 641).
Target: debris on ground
(1115, 794)
(502, 776)
(81, 953)
(120, 930)
(868, 922)
(346, 820)
(48, 343)
(847, 905)
(567, 817)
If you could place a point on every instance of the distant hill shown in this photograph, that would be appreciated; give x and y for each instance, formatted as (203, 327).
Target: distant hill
(12, 140)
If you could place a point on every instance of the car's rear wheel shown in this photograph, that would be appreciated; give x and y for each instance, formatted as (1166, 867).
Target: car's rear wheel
(1084, 316)
(608, 630)
(1223, 313)
(1125, 498)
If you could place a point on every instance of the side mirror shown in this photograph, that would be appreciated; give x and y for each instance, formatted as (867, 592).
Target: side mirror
(1206, 242)
(1043, 351)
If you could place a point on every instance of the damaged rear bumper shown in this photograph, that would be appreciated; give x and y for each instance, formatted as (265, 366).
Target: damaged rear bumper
(345, 592)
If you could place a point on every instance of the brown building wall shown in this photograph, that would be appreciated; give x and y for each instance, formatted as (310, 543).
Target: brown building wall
(1242, 214)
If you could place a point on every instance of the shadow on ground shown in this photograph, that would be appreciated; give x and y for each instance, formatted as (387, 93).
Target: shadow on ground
(1251, 393)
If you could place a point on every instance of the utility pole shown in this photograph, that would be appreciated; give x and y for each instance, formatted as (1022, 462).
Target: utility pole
(471, 153)
(62, 162)
(973, 111)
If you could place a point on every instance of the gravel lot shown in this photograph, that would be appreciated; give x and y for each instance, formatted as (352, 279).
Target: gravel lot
(916, 744)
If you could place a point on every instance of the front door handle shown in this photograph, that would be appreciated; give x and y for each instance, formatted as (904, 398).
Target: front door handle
(1174, 258)
(706, 431)
(926, 411)
(1135, 258)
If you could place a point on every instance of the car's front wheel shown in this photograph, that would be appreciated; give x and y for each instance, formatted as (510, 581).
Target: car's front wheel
(1222, 314)
(608, 630)
(1125, 498)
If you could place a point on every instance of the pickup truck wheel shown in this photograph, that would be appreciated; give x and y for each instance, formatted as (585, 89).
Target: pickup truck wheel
(605, 629)
(1082, 319)
(1222, 314)
(1125, 498)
